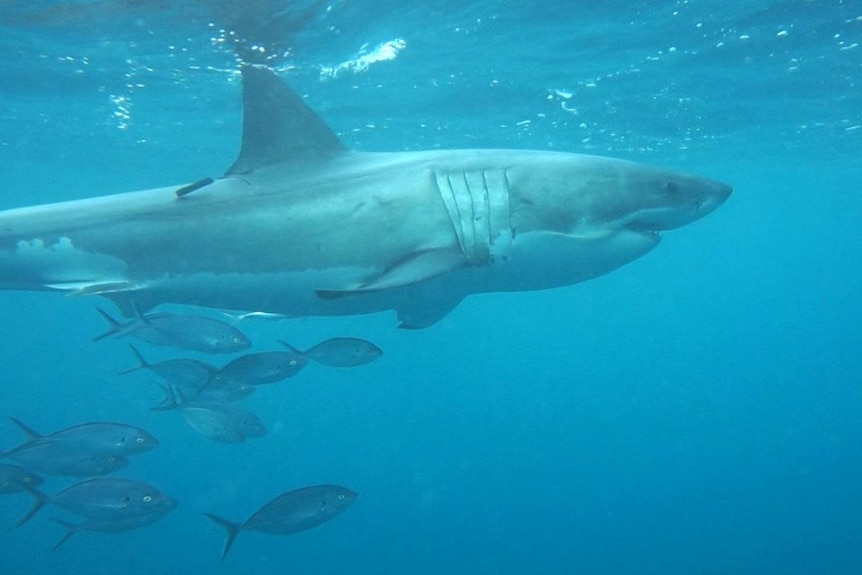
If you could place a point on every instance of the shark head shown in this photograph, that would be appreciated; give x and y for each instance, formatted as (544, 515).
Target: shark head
(591, 196)
(660, 200)
(576, 217)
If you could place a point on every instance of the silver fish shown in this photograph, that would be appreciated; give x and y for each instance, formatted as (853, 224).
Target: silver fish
(341, 352)
(94, 437)
(212, 392)
(291, 512)
(226, 392)
(57, 458)
(221, 421)
(187, 375)
(112, 525)
(260, 368)
(104, 499)
(184, 331)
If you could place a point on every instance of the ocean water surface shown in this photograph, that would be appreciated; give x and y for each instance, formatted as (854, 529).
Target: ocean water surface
(696, 411)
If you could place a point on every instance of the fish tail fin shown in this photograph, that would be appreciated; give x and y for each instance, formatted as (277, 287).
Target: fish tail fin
(234, 318)
(28, 431)
(232, 528)
(291, 348)
(71, 529)
(142, 363)
(139, 315)
(114, 327)
(39, 501)
(170, 401)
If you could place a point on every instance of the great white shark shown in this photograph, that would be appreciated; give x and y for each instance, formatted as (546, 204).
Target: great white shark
(300, 225)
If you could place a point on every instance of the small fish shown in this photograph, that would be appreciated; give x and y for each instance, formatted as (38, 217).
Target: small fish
(188, 375)
(111, 525)
(57, 458)
(291, 512)
(15, 479)
(184, 331)
(94, 437)
(225, 392)
(223, 422)
(260, 368)
(104, 499)
(341, 352)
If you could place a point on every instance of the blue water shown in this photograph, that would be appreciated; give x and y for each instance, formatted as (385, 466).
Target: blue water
(697, 411)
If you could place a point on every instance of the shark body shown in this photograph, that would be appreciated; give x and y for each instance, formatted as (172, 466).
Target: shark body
(300, 225)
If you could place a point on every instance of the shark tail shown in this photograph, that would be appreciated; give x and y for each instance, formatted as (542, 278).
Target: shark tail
(71, 529)
(232, 528)
(142, 363)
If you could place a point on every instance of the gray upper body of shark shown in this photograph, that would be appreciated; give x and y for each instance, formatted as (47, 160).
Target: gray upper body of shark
(300, 225)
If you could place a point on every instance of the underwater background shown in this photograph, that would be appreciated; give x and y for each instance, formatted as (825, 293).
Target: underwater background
(696, 411)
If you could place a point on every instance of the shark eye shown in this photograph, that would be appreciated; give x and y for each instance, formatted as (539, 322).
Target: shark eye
(671, 187)
(147, 498)
(341, 497)
(140, 440)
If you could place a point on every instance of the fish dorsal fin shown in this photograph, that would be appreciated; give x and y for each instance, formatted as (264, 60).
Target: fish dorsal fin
(277, 126)
(27, 430)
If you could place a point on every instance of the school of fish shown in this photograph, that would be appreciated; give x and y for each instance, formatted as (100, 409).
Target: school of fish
(208, 398)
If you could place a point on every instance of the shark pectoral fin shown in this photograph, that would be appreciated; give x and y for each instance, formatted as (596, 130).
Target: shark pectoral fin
(412, 269)
(424, 312)
(417, 267)
(89, 288)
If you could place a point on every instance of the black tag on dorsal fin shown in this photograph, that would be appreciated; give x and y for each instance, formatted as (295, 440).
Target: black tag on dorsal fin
(278, 127)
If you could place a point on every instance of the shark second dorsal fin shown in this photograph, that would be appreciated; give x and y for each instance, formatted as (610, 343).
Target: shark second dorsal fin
(277, 126)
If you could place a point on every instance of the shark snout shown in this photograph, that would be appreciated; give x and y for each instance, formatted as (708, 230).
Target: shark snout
(679, 201)
(715, 193)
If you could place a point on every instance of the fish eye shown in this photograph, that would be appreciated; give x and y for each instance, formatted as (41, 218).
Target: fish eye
(341, 497)
(293, 362)
(147, 498)
(139, 440)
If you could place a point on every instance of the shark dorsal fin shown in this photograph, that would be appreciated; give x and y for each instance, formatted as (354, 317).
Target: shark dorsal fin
(277, 126)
